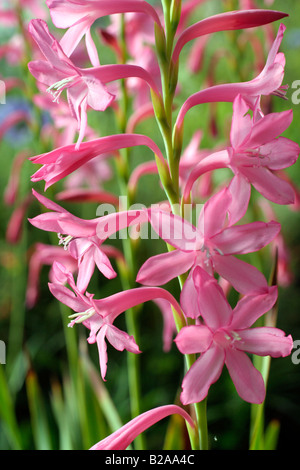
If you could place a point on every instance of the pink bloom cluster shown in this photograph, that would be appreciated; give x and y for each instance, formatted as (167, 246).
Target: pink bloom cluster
(208, 254)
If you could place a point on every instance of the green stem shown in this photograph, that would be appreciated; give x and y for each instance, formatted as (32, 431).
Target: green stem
(169, 76)
(128, 279)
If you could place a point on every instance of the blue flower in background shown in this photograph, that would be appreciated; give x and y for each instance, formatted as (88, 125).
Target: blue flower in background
(18, 133)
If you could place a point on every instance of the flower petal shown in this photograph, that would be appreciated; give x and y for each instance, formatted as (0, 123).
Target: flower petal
(120, 340)
(228, 21)
(103, 263)
(269, 127)
(115, 304)
(121, 438)
(174, 229)
(244, 277)
(240, 190)
(213, 306)
(86, 269)
(214, 213)
(160, 269)
(280, 153)
(189, 297)
(270, 186)
(247, 238)
(241, 122)
(265, 341)
(203, 373)
(67, 297)
(193, 339)
(102, 350)
(252, 307)
(248, 381)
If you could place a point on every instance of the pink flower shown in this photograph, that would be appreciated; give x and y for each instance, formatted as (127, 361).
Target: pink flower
(45, 255)
(98, 315)
(78, 16)
(83, 238)
(138, 88)
(14, 229)
(8, 18)
(228, 21)
(267, 82)
(13, 184)
(87, 195)
(139, 32)
(191, 156)
(225, 337)
(211, 246)
(63, 161)
(121, 438)
(63, 128)
(85, 87)
(255, 153)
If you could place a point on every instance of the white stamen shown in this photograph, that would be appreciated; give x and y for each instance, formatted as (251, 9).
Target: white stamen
(82, 316)
(236, 336)
(59, 87)
(64, 240)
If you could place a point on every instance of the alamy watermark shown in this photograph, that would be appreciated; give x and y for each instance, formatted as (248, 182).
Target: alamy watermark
(133, 221)
(296, 93)
(2, 92)
(2, 352)
(296, 354)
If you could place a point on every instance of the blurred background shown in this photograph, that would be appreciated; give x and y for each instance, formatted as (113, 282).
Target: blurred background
(51, 392)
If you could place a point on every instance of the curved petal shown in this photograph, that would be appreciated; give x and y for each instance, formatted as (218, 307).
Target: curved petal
(102, 350)
(62, 161)
(214, 213)
(209, 163)
(92, 49)
(228, 21)
(67, 297)
(103, 264)
(270, 186)
(160, 269)
(252, 307)
(189, 297)
(265, 341)
(112, 72)
(203, 373)
(47, 221)
(247, 238)
(248, 381)
(280, 153)
(49, 47)
(48, 203)
(74, 34)
(240, 190)
(214, 308)
(244, 277)
(86, 269)
(241, 122)
(116, 221)
(264, 84)
(193, 339)
(115, 304)
(120, 340)
(268, 128)
(44, 72)
(121, 438)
